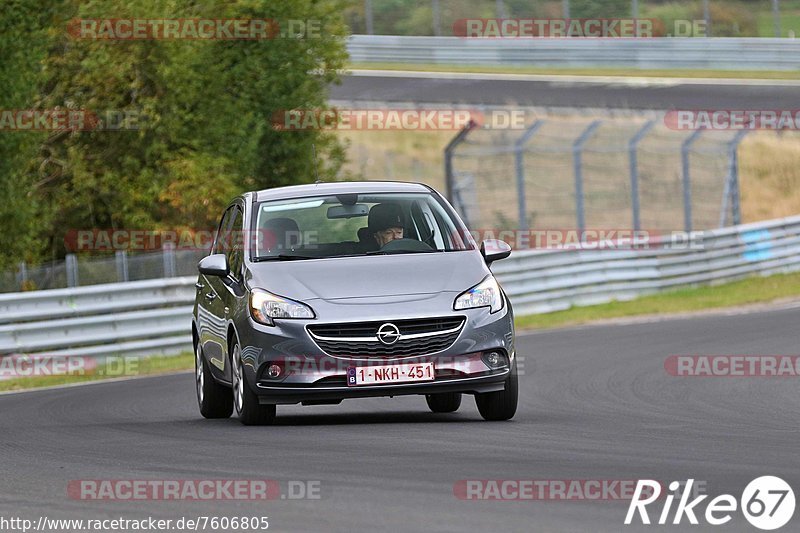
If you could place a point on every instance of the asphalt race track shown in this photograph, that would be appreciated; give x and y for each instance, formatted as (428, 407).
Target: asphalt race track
(596, 403)
(638, 94)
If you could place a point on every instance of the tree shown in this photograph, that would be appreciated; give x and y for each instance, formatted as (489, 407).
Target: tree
(23, 45)
(204, 109)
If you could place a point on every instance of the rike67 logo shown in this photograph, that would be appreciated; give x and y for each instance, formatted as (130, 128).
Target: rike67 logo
(767, 503)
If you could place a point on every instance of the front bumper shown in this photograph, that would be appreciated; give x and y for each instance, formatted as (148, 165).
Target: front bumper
(309, 374)
(281, 394)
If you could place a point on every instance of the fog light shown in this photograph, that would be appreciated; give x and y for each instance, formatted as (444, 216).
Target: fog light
(495, 359)
(274, 371)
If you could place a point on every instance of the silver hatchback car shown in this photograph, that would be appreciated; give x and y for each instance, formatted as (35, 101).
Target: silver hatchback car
(317, 293)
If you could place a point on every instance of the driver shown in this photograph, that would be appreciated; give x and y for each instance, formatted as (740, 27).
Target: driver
(385, 223)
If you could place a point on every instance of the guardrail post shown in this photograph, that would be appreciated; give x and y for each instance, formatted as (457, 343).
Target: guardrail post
(633, 159)
(122, 265)
(687, 182)
(168, 253)
(577, 159)
(731, 192)
(71, 267)
(519, 163)
(449, 185)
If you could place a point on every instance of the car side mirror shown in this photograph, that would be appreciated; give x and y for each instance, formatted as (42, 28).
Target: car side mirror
(214, 265)
(493, 250)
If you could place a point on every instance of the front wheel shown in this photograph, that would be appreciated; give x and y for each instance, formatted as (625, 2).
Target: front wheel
(250, 411)
(500, 405)
(214, 400)
(444, 402)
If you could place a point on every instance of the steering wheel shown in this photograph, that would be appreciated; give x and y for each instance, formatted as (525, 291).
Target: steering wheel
(406, 245)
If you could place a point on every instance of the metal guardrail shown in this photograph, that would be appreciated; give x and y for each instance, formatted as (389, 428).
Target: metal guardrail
(750, 53)
(136, 318)
(546, 281)
(153, 317)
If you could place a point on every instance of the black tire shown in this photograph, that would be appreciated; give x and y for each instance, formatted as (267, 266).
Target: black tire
(500, 405)
(214, 400)
(444, 402)
(250, 411)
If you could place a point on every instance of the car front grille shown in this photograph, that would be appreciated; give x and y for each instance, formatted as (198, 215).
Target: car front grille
(419, 336)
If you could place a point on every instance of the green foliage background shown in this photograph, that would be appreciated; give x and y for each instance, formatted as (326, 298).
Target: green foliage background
(206, 135)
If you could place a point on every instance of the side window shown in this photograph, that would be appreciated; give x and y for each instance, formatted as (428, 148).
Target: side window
(236, 251)
(221, 240)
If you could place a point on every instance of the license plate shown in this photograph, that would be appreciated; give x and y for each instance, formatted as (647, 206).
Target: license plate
(377, 375)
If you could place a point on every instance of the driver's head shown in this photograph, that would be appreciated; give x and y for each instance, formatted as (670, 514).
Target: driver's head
(386, 223)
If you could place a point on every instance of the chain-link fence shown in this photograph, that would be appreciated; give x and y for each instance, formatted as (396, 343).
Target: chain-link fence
(78, 270)
(582, 173)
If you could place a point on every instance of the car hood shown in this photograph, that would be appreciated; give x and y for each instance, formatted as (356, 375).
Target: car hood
(372, 276)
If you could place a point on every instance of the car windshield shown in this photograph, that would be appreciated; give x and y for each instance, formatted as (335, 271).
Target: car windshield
(355, 224)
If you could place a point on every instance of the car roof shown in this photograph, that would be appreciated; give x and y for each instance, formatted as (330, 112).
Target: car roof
(339, 187)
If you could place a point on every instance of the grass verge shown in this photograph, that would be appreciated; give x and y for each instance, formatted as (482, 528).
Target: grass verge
(594, 71)
(124, 367)
(751, 290)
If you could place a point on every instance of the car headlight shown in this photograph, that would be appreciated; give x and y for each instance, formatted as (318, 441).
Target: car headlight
(484, 294)
(265, 306)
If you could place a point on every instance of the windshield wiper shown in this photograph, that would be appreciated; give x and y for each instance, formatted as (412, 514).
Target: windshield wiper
(393, 252)
(283, 257)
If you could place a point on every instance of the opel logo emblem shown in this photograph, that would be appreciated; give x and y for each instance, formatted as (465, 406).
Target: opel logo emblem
(388, 334)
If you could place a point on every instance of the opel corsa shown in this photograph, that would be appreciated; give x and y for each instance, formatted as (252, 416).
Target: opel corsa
(317, 293)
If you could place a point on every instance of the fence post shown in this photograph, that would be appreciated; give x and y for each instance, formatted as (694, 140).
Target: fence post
(168, 253)
(519, 162)
(500, 9)
(449, 185)
(122, 265)
(71, 267)
(707, 17)
(687, 182)
(368, 16)
(731, 191)
(23, 275)
(577, 158)
(776, 15)
(633, 158)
